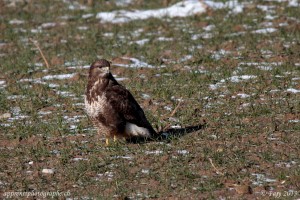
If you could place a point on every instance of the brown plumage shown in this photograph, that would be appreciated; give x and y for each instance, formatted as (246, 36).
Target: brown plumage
(111, 107)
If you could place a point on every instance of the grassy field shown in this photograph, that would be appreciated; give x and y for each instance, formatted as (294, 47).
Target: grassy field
(239, 73)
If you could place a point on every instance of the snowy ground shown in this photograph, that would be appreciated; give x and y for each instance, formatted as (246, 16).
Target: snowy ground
(233, 64)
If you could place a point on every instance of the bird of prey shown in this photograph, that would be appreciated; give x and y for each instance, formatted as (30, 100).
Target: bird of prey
(111, 107)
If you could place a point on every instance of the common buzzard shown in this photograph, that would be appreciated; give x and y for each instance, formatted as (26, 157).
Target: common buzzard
(111, 107)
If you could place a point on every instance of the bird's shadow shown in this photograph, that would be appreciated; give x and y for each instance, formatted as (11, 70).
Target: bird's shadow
(167, 135)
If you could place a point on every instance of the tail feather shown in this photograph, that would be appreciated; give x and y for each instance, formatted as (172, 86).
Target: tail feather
(134, 130)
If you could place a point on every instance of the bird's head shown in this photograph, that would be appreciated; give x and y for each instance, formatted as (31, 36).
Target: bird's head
(99, 68)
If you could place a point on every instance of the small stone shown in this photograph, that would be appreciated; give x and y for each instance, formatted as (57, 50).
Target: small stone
(145, 171)
(79, 159)
(5, 116)
(243, 189)
(48, 171)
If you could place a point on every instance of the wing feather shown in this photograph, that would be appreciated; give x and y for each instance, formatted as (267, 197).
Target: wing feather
(124, 103)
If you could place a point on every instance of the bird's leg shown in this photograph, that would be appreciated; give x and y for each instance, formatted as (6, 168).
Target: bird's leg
(115, 138)
(106, 141)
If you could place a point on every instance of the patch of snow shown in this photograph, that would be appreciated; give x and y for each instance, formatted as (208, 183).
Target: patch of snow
(261, 179)
(279, 1)
(135, 63)
(266, 53)
(74, 5)
(265, 30)
(107, 174)
(270, 17)
(293, 3)
(86, 16)
(183, 152)
(243, 96)
(65, 93)
(59, 76)
(66, 17)
(79, 67)
(141, 42)
(180, 9)
(13, 97)
(199, 71)
(215, 86)
(283, 24)
(48, 171)
(79, 104)
(153, 152)
(38, 64)
(2, 84)
(245, 105)
(53, 85)
(143, 76)
(237, 79)
(73, 119)
(123, 157)
(79, 159)
(137, 32)
(73, 127)
(121, 78)
(265, 68)
(5, 125)
(273, 91)
(234, 79)
(175, 126)
(286, 164)
(44, 112)
(82, 28)
(16, 21)
(209, 27)
(55, 151)
(48, 25)
(176, 99)
(292, 90)
(16, 110)
(108, 34)
(233, 5)
(164, 39)
(220, 54)
(185, 58)
(123, 2)
(260, 63)
(173, 119)
(36, 31)
(146, 96)
(145, 171)
(266, 8)
(202, 35)
(266, 24)
(169, 108)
